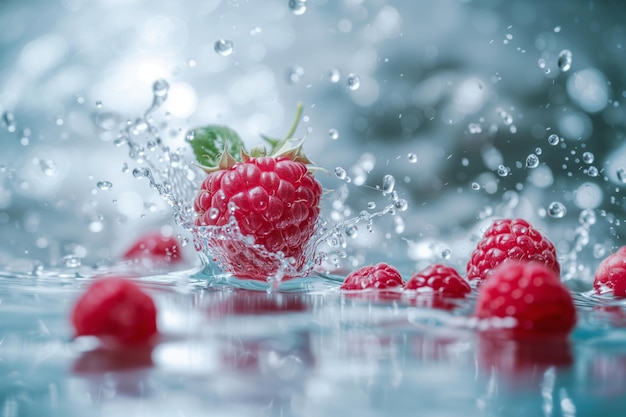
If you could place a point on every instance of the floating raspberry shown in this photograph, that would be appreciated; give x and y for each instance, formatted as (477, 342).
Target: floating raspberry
(532, 294)
(610, 277)
(116, 310)
(155, 247)
(510, 239)
(439, 279)
(274, 200)
(380, 276)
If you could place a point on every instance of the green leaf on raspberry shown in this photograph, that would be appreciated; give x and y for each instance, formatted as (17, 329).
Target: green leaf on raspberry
(212, 144)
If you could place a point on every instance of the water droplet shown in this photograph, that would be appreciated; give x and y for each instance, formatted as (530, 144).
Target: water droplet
(557, 29)
(564, 61)
(621, 175)
(294, 74)
(351, 231)
(446, 254)
(191, 63)
(70, 261)
(503, 171)
(401, 204)
(389, 183)
(353, 82)
(341, 173)
(223, 47)
(474, 128)
(371, 205)
(213, 213)
(104, 185)
(160, 88)
(532, 161)
(98, 104)
(298, 7)
(334, 75)
(8, 119)
(333, 134)
(542, 63)
(141, 172)
(556, 210)
(48, 167)
(553, 139)
(588, 157)
(538, 151)
(412, 157)
(475, 186)
(587, 217)
(592, 171)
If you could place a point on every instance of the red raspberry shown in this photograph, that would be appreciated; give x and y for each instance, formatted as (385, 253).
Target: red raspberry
(510, 239)
(116, 310)
(439, 279)
(380, 276)
(533, 295)
(156, 247)
(277, 203)
(611, 274)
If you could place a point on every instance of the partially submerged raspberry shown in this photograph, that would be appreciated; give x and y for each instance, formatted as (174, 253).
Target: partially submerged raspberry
(532, 296)
(380, 276)
(610, 277)
(117, 311)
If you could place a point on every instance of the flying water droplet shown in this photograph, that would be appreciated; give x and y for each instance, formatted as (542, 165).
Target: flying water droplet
(295, 74)
(48, 167)
(588, 157)
(554, 139)
(334, 75)
(371, 205)
(223, 47)
(556, 210)
(160, 88)
(401, 204)
(8, 119)
(412, 157)
(475, 186)
(341, 173)
(104, 185)
(353, 82)
(190, 135)
(621, 175)
(503, 171)
(70, 261)
(446, 254)
(532, 161)
(297, 7)
(474, 128)
(592, 171)
(389, 183)
(141, 172)
(333, 134)
(351, 231)
(587, 217)
(564, 61)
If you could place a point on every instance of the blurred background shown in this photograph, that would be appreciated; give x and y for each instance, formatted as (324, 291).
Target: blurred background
(477, 108)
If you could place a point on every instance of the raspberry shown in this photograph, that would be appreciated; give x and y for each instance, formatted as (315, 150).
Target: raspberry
(610, 276)
(533, 295)
(116, 310)
(439, 279)
(380, 276)
(276, 202)
(156, 247)
(512, 239)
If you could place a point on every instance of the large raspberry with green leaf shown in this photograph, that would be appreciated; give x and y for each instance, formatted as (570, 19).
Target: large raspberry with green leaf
(273, 198)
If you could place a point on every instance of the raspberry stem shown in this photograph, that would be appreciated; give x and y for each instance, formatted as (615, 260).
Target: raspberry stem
(296, 120)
